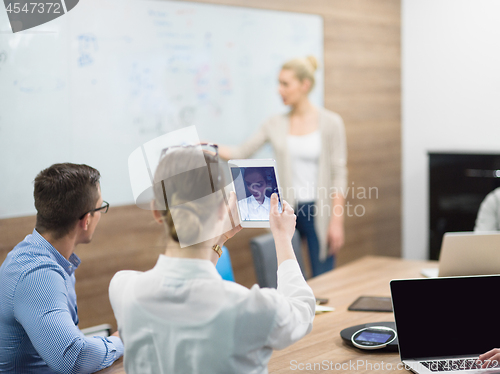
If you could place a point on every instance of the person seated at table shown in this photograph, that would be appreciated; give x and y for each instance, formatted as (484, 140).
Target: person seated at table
(488, 217)
(490, 359)
(180, 316)
(38, 312)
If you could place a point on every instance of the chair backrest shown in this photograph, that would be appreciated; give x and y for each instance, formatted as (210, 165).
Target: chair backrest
(264, 258)
(224, 266)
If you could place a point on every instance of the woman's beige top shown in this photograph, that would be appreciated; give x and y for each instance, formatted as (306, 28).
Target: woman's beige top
(304, 151)
(332, 170)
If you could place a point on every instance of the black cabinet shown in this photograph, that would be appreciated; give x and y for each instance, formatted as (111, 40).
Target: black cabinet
(458, 183)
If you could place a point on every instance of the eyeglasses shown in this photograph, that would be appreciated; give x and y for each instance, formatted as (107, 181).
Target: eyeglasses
(215, 171)
(209, 149)
(104, 209)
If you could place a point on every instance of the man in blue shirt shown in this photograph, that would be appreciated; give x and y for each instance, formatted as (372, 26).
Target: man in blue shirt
(38, 314)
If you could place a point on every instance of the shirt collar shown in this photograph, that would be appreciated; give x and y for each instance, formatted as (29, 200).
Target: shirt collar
(256, 204)
(68, 265)
(183, 268)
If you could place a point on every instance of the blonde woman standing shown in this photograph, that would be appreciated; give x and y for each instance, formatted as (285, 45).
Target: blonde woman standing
(310, 148)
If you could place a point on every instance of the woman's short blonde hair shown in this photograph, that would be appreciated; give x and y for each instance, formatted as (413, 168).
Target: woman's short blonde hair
(185, 190)
(304, 68)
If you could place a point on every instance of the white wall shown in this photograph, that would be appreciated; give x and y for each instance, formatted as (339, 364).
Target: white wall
(450, 95)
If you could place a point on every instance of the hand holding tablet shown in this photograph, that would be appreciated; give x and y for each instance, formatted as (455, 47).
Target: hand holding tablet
(282, 223)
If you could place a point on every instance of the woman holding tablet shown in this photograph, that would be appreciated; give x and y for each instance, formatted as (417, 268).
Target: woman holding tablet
(180, 316)
(310, 148)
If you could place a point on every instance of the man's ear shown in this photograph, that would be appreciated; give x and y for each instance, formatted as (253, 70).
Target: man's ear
(156, 213)
(85, 222)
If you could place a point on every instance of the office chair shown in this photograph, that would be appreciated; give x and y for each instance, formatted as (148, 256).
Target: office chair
(224, 266)
(264, 258)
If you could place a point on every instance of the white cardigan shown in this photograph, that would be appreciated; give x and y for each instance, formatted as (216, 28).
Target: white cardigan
(332, 169)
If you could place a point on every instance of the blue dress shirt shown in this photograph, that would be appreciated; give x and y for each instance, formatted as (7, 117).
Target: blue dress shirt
(38, 315)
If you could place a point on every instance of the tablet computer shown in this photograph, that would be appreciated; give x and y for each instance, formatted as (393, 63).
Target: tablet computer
(371, 304)
(254, 181)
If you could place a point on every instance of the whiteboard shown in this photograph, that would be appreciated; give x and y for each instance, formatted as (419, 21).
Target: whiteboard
(94, 85)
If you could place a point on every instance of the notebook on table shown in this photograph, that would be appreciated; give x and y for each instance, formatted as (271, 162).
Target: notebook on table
(467, 253)
(444, 324)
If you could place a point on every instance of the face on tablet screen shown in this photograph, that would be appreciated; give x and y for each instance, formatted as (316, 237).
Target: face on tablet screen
(254, 187)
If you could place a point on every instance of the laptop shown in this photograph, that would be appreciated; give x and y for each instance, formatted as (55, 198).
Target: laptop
(444, 324)
(467, 253)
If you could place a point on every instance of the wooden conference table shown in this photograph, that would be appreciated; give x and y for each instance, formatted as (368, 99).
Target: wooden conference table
(324, 347)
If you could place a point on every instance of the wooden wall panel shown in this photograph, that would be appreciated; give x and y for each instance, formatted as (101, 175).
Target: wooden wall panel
(362, 83)
(362, 62)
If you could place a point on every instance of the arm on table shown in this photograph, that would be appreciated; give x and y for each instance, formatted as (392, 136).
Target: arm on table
(41, 307)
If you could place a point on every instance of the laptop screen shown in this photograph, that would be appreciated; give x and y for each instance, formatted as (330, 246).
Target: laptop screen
(446, 316)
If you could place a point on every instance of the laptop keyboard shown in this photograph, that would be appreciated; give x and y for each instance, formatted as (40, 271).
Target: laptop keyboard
(450, 365)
